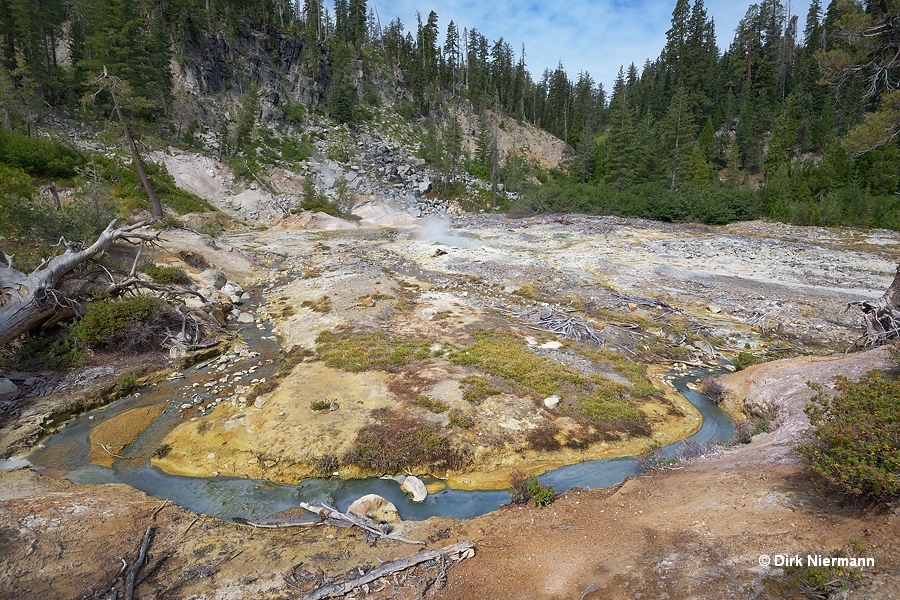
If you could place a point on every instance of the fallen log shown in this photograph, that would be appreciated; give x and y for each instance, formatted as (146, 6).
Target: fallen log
(361, 522)
(455, 552)
(242, 521)
(29, 300)
(141, 559)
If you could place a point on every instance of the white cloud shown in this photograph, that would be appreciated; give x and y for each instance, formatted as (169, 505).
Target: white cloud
(595, 36)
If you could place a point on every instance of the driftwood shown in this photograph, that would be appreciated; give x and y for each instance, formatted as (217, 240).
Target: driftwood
(881, 318)
(141, 559)
(134, 577)
(453, 552)
(363, 523)
(241, 521)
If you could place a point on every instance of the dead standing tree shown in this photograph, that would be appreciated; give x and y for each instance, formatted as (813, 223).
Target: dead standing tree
(30, 300)
(119, 91)
(882, 317)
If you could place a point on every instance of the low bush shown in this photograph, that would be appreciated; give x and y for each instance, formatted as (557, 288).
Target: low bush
(327, 465)
(41, 350)
(814, 582)
(543, 438)
(460, 419)
(713, 389)
(162, 451)
(746, 359)
(395, 442)
(126, 383)
(166, 274)
(317, 405)
(432, 404)
(856, 435)
(529, 489)
(476, 389)
(132, 324)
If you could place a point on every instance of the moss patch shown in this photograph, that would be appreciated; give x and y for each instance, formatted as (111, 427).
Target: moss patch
(357, 351)
(504, 355)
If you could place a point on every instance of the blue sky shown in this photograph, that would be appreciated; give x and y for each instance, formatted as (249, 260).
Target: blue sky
(594, 36)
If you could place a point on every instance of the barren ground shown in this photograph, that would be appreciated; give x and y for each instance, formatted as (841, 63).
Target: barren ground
(692, 532)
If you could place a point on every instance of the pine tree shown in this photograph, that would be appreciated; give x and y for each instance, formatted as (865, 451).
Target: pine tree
(357, 24)
(620, 143)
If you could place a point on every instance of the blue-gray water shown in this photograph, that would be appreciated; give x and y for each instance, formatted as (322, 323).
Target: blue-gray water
(67, 453)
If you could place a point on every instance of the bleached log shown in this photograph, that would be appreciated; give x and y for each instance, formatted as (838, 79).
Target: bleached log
(29, 300)
(455, 552)
(361, 522)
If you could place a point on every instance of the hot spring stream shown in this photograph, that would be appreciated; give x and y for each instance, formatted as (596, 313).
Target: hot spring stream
(67, 454)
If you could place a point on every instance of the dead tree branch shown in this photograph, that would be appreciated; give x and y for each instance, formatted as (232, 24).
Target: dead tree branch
(141, 559)
(363, 523)
(29, 300)
(454, 552)
(881, 319)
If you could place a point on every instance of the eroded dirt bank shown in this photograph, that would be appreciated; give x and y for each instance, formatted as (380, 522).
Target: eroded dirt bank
(679, 293)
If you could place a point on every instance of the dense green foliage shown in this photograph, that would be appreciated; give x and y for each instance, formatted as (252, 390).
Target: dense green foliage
(128, 324)
(529, 489)
(857, 435)
(39, 157)
(166, 274)
(796, 120)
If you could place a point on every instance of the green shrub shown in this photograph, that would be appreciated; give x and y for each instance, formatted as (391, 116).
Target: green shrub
(856, 435)
(126, 383)
(130, 324)
(432, 404)
(805, 581)
(317, 405)
(477, 389)
(161, 451)
(459, 419)
(38, 156)
(210, 229)
(529, 489)
(166, 274)
(747, 359)
(39, 351)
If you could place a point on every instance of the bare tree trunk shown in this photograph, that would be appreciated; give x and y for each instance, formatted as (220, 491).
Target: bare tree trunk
(54, 193)
(139, 163)
(881, 318)
(28, 301)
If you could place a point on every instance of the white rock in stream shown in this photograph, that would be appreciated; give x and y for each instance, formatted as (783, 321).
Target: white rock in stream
(375, 507)
(414, 486)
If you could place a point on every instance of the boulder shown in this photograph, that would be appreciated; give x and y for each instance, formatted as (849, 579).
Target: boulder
(551, 402)
(414, 487)
(8, 389)
(375, 507)
(213, 278)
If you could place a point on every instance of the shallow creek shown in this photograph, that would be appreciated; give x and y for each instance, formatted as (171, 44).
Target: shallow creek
(68, 452)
